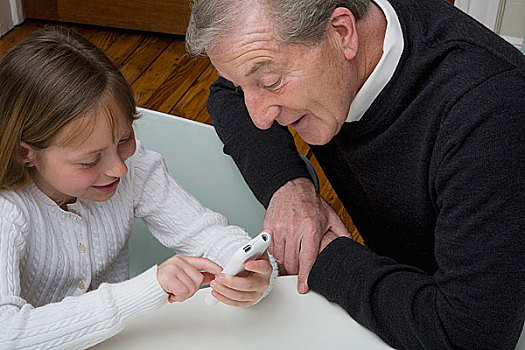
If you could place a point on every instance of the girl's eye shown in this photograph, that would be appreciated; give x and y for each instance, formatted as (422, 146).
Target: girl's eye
(89, 164)
(123, 141)
(127, 139)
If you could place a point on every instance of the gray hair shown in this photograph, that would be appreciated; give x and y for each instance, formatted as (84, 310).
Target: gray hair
(297, 21)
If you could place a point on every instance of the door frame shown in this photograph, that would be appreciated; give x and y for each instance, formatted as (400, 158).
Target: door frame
(11, 15)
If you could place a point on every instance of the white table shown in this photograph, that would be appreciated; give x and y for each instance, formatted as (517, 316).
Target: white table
(283, 320)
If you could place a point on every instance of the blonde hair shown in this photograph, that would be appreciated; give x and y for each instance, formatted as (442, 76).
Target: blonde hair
(48, 80)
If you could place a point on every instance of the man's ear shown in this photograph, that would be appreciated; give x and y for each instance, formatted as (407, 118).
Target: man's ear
(343, 25)
(26, 154)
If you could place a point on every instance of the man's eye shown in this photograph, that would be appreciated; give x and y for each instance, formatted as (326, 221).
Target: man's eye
(274, 85)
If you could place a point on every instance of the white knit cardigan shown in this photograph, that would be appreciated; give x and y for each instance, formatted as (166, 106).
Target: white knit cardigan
(63, 273)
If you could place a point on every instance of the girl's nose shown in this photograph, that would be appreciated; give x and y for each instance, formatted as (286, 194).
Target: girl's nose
(118, 168)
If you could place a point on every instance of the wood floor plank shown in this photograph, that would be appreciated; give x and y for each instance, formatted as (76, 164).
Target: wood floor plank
(177, 84)
(123, 47)
(192, 102)
(145, 54)
(17, 34)
(149, 81)
(302, 146)
(204, 117)
(103, 39)
(350, 226)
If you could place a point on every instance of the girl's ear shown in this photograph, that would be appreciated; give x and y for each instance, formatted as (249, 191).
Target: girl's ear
(26, 155)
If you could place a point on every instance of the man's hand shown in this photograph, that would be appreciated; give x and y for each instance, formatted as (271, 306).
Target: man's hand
(327, 239)
(299, 218)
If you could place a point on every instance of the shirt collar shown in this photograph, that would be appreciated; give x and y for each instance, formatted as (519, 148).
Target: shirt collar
(392, 49)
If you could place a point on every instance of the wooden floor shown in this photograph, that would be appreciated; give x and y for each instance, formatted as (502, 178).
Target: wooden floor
(164, 78)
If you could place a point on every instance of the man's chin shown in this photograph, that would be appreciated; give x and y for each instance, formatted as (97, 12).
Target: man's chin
(314, 139)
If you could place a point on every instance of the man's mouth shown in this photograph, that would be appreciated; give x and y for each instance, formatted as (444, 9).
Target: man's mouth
(297, 123)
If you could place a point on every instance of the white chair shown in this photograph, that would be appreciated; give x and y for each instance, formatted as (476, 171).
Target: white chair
(194, 156)
(521, 341)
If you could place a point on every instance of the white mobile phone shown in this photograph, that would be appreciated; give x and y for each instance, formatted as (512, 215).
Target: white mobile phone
(252, 250)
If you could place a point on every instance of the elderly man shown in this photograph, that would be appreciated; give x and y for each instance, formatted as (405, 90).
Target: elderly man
(416, 115)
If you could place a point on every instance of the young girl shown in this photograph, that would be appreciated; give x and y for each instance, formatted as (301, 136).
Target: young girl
(72, 178)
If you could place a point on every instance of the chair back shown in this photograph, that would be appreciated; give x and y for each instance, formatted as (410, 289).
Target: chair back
(193, 154)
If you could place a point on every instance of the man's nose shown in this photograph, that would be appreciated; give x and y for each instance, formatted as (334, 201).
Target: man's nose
(261, 109)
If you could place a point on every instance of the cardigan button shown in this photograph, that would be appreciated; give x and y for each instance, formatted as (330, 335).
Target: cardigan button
(80, 285)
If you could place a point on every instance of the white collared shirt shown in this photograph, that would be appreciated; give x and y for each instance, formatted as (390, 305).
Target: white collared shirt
(392, 49)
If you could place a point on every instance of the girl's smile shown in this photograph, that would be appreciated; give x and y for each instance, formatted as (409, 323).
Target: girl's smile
(112, 187)
(80, 166)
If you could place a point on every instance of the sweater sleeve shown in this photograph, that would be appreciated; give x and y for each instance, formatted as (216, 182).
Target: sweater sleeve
(177, 219)
(75, 322)
(476, 298)
(266, 158)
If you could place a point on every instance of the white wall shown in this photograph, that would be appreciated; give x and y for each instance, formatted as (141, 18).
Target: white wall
(11, 14)
(505, 17)
(485, 11)
(513, 22)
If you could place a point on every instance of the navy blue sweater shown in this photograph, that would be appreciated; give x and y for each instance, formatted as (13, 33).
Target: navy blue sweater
(433, 176)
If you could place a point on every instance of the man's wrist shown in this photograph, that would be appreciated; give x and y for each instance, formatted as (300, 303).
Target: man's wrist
(326, 240)
(304, 183)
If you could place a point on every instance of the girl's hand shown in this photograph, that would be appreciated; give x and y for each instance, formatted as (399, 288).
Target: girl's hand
(243, 290)
(181, 276)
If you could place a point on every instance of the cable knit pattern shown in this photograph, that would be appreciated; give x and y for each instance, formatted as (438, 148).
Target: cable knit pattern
(63, 273)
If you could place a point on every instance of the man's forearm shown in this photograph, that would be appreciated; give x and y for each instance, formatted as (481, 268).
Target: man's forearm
(267, 159)
(411, 309)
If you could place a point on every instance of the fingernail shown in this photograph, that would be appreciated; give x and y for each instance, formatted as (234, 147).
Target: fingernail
(219, 278)
(302, 288)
